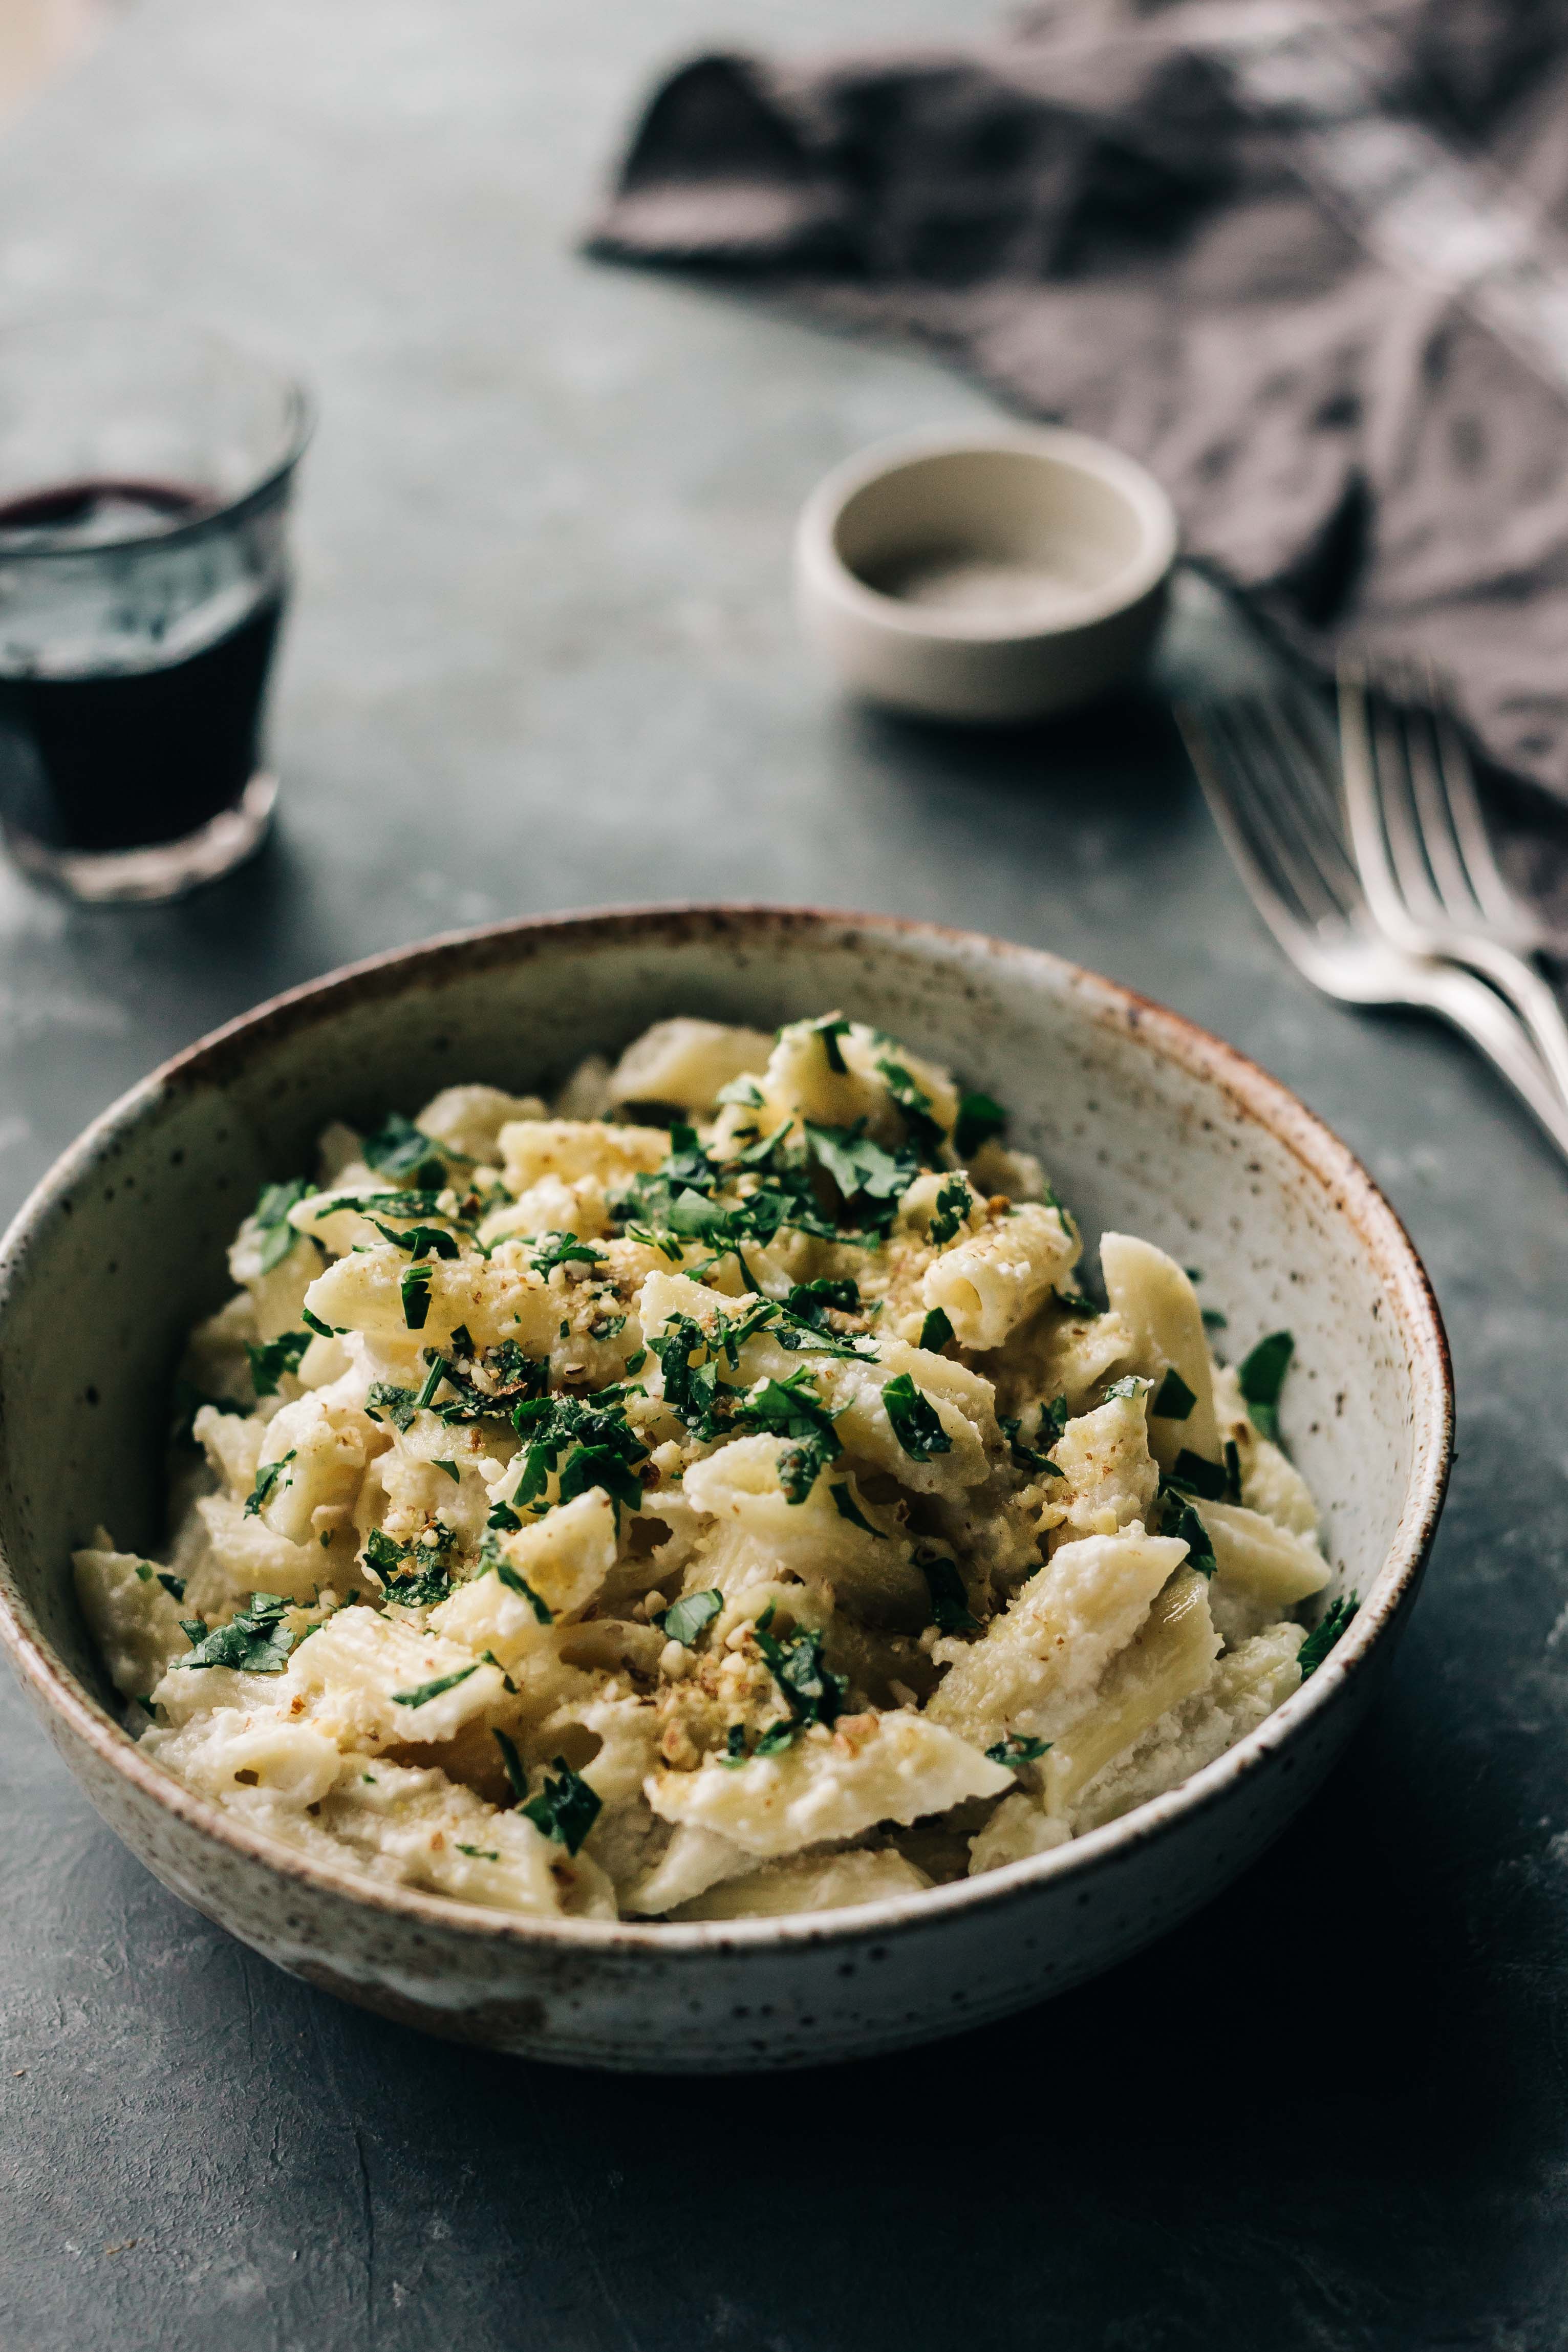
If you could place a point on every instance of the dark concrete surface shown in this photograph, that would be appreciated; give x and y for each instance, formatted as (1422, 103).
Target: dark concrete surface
(543, 656)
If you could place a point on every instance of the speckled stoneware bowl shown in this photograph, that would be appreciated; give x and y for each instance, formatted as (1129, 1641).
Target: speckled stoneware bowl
(1145, 1122)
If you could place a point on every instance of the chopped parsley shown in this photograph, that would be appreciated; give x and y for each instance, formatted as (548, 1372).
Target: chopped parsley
(1018, 1748)
(1075, 1303)
(1323, 1636)
(915, 1418)
(980, 1117)
(685, 1619)
(1213, 1320)
(950, 1611)
(1262, 1376)
(267, 1480)
(1028, 1457)
(278, 1235)
(600, 1450)
(322, 1330)
(792, 1409)
(440, 1461)
(419, 1241)
(811, 1692)
(566, 1808)
(414, 1286)
(402, 1150)
(1174, 1401)
(269, 1363)
(925, 1128)
(848, 1508)
(951, 1213)
(516, 1582)
(550, 1250)
(735, 1747)
(936, 1332)
(425, 1692)
(865, 1171)
(777, 1737)
(480, 1853)
(1179, 1519)
(513, 1764)
(399, 1404)
(175, 1586)
(255, 1641)
(1194, 1475)
(830, 1031)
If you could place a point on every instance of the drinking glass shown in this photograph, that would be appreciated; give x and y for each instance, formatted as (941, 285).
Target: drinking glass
(145, 473)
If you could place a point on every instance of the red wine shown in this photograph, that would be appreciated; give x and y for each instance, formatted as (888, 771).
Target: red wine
(119, 744)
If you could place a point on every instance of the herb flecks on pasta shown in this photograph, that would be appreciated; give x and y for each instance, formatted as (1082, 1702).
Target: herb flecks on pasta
(721, 1491)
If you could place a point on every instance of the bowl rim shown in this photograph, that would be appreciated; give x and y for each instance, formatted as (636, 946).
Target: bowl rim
(1251, 1091)
(824, 573)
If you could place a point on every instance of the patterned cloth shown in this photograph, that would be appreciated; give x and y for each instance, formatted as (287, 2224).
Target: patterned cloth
(1309, 267)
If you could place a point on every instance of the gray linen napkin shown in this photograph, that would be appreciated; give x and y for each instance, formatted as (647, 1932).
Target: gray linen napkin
(1309, 266)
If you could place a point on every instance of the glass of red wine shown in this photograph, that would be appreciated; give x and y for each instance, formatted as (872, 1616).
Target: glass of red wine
(145, 473)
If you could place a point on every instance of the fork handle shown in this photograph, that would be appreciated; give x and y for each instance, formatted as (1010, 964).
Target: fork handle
(1530, 996)
(1469, 1005)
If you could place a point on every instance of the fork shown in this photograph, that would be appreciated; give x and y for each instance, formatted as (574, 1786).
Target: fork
(1268, 765)
(1413, 815)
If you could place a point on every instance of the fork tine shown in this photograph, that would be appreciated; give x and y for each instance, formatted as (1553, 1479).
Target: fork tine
(1396, 762)
(1225, 788)
(1302, 716)
(1457, 895)
(1458, 777)
(1323, 880)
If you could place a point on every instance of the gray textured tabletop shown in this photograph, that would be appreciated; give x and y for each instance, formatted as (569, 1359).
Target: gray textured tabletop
(542, 655)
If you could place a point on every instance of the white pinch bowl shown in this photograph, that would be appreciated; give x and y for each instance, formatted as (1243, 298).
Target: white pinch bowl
(993, 576)
(1144, 1123)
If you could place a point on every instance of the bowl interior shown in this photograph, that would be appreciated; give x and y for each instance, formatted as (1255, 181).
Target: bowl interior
(1142, 1123)
(1011, 533)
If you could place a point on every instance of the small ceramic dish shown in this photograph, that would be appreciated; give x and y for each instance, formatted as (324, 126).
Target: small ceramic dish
(997, 576)
(1144, 1123)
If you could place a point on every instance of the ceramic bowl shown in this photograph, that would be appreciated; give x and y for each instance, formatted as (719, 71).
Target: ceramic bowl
(997, 576)
(1145, 1122)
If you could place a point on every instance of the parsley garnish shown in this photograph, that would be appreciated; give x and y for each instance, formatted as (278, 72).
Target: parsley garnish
(427, 1691)
(565, 1809)
(952, 1210)
(1194, 1475)
(551, 1250)
(777, 1737)
(480, 1853)
(267, 1483)
(950, 1611)
(516, 1583)
(1323, 1636)
(848, 1508)
(278, 1235)
(420, 1241)
(322, 1330)
(924, 1129)
(792, 1409)
(936, 1332)
(1213, 1320)
(812, 1693)
(979, 1117)
(1075, 1303)
(414, 1286)
(271, 1363)
(399, 1404)
(1179, 1519)
(1026, 1456)
(604, 1451)
(401, 1150)
(1262, 1376)
(863, 1170)
(808, 1301)
(914, 1420)
(1018, 1748)
(255, 1641)
(830, 1031)
(439, 1462)
(734, 1746)
(175, 1586)
(685, 1619)
(1174, 1401)
(513, 1763)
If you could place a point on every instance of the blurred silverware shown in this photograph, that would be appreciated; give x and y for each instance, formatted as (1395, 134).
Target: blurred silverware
(1268, 766)
(1408, 820)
